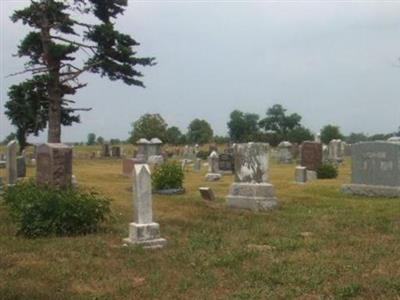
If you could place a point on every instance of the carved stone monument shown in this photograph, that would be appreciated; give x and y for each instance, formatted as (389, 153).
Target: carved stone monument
(54, 164)
(144, 231)
(251, 189)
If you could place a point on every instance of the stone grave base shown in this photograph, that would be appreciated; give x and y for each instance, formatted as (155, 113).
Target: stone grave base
(371, 190)
(253, 196)
(226, 172)
(145, 235)
(213, 176)
(311, 175)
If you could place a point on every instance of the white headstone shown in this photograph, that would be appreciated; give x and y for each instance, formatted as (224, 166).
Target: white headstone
(143, 231)
(143, 200)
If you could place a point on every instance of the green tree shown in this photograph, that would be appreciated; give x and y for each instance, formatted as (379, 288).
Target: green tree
(27, 109)
(149, 126)
(100, 140)
(330, 132)
(115, 141)
(12, 136)
(91, 139)
(278, 123)
(56, 39)
(173, 136)
(199, 132)
(243, 127)
(299, 135)
(356, 137)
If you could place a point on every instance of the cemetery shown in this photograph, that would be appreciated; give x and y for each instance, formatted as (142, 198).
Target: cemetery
(211, 202)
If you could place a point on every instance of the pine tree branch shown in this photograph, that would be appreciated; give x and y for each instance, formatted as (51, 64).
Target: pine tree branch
(33, 70)
(76, 74)
(73, 42)
(78, 109)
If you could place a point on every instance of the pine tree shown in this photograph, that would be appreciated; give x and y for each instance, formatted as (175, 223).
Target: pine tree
(58, 38)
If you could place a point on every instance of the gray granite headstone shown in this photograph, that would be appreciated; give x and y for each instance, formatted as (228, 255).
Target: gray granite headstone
(21, 166)
(285, 155)
(300, 174)
(11, 163)
(375, 169)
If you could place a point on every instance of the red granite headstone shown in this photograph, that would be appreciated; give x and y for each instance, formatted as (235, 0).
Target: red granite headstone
(311, 155)
(54, 164)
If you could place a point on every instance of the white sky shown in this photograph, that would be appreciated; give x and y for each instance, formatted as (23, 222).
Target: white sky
(331, 62)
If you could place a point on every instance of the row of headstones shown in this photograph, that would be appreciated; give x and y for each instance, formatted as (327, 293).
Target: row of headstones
(375, 172)
(15, 165)
(250, 190)
(334, 152)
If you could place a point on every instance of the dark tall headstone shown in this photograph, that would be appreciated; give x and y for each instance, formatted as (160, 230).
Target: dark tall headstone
(21, 166)
(105, 150)
(311, 155)
(116, 151)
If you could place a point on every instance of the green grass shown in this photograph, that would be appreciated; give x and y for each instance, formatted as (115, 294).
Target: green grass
(319, 244)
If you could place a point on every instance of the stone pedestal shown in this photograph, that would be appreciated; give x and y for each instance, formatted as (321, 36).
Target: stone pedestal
(54, 164)
(252, 196)
(145, 235)
(371, 190)
(311, 175)
(300, 174)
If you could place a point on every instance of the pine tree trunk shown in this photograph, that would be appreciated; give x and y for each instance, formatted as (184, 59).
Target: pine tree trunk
(54, 128)
(54, 133)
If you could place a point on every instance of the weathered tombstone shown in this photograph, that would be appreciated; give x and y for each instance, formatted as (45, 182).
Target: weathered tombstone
(54, 164)
(285, 153)
(207, 193)
(21, 167)
(128, 165)
(154, 147)
(1, 183)
(226, 163)
(317, 137)
(300, 174)
(251, 189)
(311, 175)
(183, 165)
(92, 155)
(143, 231)
(375, 169)
(213, 167)
(155, 160)
(197, 165)
(105, 150)
(11, 162)
(347, 150)
(335, 151)
(142, 150)
(116, 151)
(311, 155)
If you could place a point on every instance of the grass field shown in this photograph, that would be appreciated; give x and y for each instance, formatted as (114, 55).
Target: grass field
(320, 244)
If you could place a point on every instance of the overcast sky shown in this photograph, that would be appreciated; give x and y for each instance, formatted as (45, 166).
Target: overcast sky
(332, 62)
